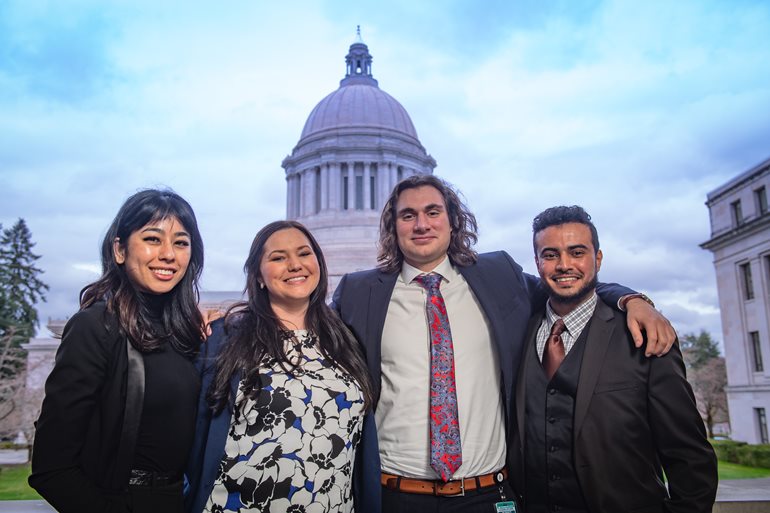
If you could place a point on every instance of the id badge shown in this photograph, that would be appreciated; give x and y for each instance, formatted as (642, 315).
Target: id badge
(505, 507)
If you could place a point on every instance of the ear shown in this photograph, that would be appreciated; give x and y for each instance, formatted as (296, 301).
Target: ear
(118, 252)
(598, 260)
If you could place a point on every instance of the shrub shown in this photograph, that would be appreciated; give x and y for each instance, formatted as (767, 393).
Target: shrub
(727, 450)
(754, 455)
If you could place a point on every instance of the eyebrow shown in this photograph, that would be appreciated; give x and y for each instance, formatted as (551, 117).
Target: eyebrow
(574, 246)
(158, 230)
(432, 206)
(284, 251)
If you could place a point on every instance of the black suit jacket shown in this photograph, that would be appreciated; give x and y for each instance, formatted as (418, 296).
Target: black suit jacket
(505, 294)
(632, 415)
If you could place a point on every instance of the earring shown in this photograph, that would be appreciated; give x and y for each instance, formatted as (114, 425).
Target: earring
(261, 285)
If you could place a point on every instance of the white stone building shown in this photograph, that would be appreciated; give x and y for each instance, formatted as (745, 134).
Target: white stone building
(740, 242)
(357, 143)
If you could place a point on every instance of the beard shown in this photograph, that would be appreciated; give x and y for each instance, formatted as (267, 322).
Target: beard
(574, 298)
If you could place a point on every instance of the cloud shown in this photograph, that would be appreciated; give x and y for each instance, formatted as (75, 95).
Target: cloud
(634, 110)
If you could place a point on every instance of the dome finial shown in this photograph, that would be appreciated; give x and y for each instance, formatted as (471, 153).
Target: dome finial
(358, 63)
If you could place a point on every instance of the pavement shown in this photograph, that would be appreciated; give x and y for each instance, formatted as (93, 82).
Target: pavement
(754, 493)
(741, 490)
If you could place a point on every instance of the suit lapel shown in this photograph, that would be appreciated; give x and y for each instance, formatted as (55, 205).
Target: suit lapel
(489, 299)
(380, 291)
(599, 336)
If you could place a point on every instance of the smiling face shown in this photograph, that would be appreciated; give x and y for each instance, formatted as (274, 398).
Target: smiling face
(155, 257)
(567, 264)
(289, 269)
(422, 227)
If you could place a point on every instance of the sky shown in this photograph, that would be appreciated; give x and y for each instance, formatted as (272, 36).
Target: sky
(634, 110)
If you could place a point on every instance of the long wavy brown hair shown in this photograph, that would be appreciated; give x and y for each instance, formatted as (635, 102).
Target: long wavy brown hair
(464, 227)
(253, 329)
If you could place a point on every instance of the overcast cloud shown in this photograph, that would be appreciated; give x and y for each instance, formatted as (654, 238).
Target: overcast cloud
(635, 110)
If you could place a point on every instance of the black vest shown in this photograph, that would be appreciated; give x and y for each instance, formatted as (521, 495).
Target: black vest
(551, 483)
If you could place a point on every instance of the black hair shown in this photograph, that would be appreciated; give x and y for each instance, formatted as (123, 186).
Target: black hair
(181, 319)
(556, 216)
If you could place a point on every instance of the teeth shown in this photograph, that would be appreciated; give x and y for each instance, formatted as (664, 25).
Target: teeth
(165, 272)
(298, 278)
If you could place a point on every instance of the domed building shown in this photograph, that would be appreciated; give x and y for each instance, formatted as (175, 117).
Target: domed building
(357, 143)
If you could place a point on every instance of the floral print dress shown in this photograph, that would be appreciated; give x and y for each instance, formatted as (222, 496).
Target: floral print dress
(291, 447)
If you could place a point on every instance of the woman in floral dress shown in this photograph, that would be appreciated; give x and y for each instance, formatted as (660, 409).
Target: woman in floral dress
(285, 388)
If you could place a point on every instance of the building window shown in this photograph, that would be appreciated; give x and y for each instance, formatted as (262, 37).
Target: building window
(317, 190)
(761, 416)
(359, 192)
(761, 197)
(345, 192)
(373, 186)
(372, 193)
(735, 207)
(756, 352)
(399, 173)
(748, 283)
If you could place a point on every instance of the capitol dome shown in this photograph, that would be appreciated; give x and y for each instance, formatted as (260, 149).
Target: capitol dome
(359, 105)
(357, 144)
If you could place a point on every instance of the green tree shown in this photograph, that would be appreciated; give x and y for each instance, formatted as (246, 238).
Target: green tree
(698, 349)
(20, 286)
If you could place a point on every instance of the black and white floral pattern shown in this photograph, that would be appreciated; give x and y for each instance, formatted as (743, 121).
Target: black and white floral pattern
(291, 448)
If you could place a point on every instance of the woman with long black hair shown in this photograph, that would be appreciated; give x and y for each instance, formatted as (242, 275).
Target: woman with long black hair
(285, 388)
(116, 424)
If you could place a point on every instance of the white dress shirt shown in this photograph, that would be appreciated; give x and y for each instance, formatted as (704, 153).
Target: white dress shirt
(402, 414)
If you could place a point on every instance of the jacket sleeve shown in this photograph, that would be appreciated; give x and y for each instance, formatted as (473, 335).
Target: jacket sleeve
(71, 404)
(208, 443)
(337, 296)
(684, 451)
(610, 293)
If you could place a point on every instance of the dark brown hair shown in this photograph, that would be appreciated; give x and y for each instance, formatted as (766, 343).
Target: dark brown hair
(181, 318)
(254, 331)
(463, 223)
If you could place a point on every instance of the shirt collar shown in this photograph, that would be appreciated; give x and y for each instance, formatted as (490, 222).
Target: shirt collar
(444, 268)
(576, 320)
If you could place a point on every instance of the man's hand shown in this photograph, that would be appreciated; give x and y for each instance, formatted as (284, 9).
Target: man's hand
(211, 314)
(643, 317)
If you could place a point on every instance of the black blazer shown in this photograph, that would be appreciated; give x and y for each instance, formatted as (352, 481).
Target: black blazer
(75, 463)
(505, 294)
(633, 414)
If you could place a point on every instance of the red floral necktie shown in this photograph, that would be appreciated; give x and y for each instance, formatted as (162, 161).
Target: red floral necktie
(445, 447)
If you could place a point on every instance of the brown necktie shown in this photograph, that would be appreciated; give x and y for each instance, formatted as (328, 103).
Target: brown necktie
(554, 349)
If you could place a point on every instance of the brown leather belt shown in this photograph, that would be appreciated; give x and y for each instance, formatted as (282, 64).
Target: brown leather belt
(459, 487)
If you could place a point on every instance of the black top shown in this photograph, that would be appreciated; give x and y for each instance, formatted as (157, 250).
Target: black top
(170, 401)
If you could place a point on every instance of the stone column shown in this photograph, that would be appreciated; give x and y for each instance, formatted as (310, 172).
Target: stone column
(324, 187)
(288, 197)
(351, 185)
(383, 184)
(367, 188)
(334, 186)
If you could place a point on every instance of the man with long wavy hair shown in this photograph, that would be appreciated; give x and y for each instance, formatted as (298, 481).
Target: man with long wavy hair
(443, 328)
